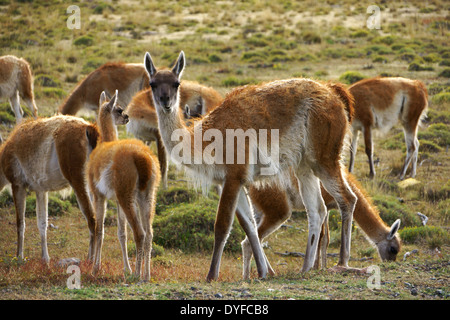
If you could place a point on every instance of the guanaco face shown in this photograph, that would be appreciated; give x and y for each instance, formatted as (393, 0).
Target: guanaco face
(165, 83)
(110, 114)
(113, 108)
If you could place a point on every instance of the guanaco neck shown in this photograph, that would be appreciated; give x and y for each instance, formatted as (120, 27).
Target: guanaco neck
(368, 218)
(168, 123)
(107, 128)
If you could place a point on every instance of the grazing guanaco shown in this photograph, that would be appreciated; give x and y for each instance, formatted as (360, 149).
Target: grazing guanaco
(310, 121)
(143, 122)
(16, 80)
(48, 154)
(125, 170)
(379, 104)
(274, 206)
(128, 78)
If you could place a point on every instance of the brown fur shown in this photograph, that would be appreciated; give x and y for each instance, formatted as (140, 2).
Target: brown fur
(47, 155)
(126, 78)
(16, 80)
(274, 206)
(374, 98)
(144, 121)
(125, 170)
(311, 121)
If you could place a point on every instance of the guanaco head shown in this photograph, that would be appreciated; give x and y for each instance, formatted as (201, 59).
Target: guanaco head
(109, 105)
(390, 247)
(165, 83)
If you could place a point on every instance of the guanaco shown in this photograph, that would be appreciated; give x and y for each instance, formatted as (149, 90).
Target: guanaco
(16, 80)
(379, 104)
(310, 120)
(125, 170)
(48, 154)
(128, 78)
(274, 206)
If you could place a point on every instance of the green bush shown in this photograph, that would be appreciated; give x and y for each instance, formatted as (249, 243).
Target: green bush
(56, 206)
(53, 93)
(176, 195)
(432, 58)
(190, 227)
(438, 133)
(46, 81)
(235, 82)
(431, 234)
(441, 98)
(6, 114)
(310, 37)
(391, 209)
(379, 59)
(415, 66)
(214, 58)
(361, 33)
(429, 146)
(350, 77)
(445, 73)
(92, 64)
(254, 56)
(6, 199)
(84, 41)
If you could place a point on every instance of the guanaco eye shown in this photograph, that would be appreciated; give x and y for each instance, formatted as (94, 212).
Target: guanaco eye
(153, 85)
(176, 85)
(393, 250)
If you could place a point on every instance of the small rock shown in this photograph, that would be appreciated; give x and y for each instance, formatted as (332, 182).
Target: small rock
(218, 295)
(414, 291)
(68, 261)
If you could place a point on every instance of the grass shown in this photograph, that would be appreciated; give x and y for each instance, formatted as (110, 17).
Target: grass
(229, 44)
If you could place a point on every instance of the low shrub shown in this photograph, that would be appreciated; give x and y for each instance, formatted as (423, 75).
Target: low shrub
(190, 227)
(438, 133)
(84, 41)
(56, 206)
(235, 82)
(53, 93)
(391, 209)
(433, 235)
(350, 77)
(445, 73)
(415, 66)
(6, 114)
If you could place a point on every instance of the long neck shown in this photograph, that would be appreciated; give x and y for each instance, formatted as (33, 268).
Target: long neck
(367, 216)
(107, 128)
(73, 103)
(173, 124)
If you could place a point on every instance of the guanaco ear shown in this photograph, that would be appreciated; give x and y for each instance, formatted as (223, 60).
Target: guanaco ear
(179, 66)
(102, 98)
(112, 103)
(394, 228)
(149, 66)
(187, 111)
